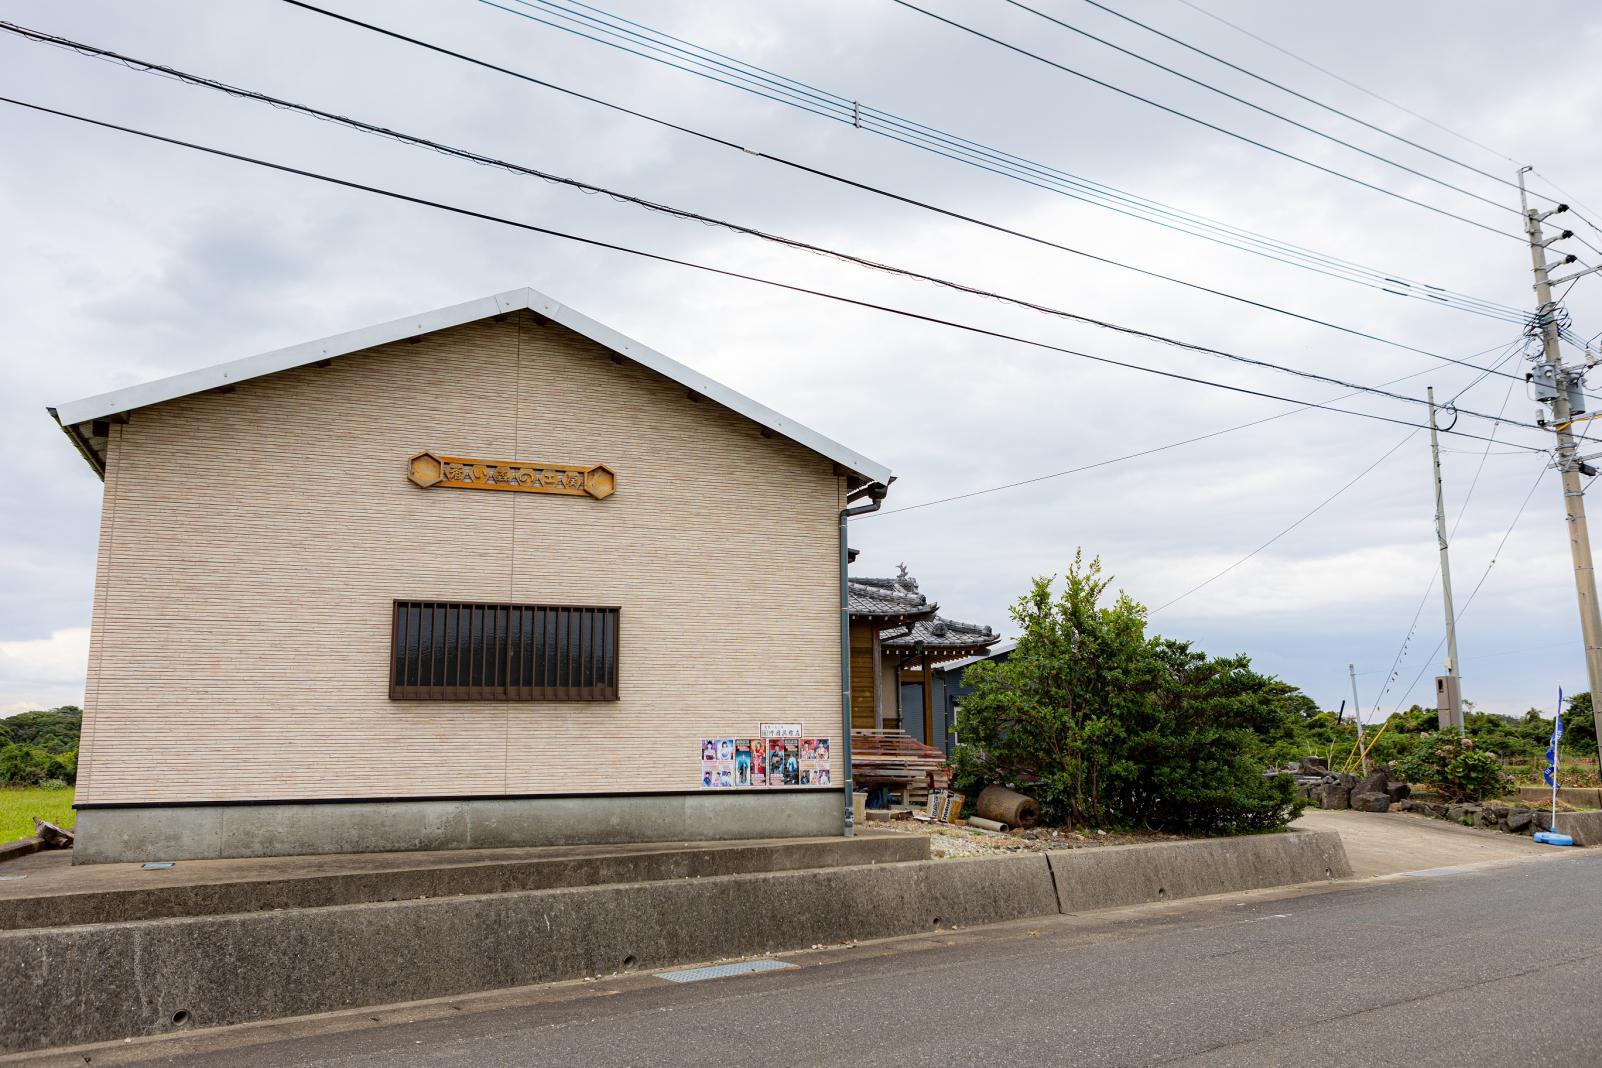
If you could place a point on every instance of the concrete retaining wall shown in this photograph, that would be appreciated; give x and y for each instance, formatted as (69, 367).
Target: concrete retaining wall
(259, 887)
(1578, 796)
(201, 832)
(1584, 827)
(78, 984)
(1132, 875)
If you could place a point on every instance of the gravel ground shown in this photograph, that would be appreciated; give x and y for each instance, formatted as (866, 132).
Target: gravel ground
(961, 840)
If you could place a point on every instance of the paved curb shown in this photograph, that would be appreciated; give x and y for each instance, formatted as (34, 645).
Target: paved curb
(113, 980)
(20, 848)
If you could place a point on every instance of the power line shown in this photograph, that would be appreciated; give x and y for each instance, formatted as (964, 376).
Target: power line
(1412, 628)
(718, 271)
(1346, 81)
(869, 188)
(1305, 517)
(1573, 202)
(1299, 95)
(987, 490)
(1480, 468)
(1203, 122)
(1201, 83)
(1495, 555)
(187, 78)
(1401, 652)
(631, 37)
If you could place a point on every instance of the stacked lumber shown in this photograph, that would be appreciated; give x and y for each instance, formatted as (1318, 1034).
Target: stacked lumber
(898, 759)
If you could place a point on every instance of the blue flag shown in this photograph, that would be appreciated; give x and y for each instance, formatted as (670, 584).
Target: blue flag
(1550, 774)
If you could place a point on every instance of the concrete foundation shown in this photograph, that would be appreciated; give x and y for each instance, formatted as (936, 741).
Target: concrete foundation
(195, 832)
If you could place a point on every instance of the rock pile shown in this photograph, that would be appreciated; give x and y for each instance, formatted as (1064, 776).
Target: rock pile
(1375, 792)
(1495, 815)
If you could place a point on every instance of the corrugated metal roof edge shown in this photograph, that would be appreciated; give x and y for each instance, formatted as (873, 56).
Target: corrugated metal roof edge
(144, 394)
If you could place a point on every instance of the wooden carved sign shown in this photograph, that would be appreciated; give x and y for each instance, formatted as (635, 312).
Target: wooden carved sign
(461, 472)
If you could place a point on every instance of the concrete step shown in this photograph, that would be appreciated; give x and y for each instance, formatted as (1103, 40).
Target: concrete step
(55, 893)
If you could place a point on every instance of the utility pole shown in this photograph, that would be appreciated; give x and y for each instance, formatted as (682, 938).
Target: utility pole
(1453, 682)
(1357, 714)
(1560, 387)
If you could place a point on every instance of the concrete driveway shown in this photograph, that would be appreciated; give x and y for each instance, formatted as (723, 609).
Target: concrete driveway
(1384, 843)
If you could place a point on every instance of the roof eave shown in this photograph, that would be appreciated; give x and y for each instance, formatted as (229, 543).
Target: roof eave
(74, 435)
(117, 402)
(940, 654)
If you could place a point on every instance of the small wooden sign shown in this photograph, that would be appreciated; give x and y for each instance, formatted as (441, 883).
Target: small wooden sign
(461, 472)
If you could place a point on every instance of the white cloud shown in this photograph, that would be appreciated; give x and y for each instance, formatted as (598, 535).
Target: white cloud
(43, 672)
(134, 260)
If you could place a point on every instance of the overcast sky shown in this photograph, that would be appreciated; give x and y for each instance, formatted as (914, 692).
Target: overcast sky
(126, 260)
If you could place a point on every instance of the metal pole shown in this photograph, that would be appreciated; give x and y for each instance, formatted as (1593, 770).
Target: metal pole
(1446, 563)
(1357, 714)
(1567, 462)
(843, 750)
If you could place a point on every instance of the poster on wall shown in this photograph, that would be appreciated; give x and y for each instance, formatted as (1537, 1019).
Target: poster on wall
(742, 762)
(784, 762)
(781, 757)
(815, 768)
(709, 763)
(759, 761)
(718, 764)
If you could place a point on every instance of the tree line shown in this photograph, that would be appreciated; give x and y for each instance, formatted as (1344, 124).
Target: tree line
(40, 748)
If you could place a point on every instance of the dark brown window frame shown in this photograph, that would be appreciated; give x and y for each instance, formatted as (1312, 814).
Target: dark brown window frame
(505, 649)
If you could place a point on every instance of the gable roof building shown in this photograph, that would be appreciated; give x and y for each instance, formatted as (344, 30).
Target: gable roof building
(489, 575)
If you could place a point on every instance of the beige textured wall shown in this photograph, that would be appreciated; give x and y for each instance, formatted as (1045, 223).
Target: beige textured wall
(252, 543)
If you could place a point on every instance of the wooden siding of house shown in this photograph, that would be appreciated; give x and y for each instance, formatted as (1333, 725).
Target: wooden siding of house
(253, 540)
(862, 678)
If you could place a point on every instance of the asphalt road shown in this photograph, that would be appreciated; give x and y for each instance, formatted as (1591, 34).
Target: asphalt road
(1493, 965)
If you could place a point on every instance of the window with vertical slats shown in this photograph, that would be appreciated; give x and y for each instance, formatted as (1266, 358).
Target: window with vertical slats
(454, 651)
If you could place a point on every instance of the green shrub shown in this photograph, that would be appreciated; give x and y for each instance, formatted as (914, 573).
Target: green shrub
(1457, 767)
(1104, 726)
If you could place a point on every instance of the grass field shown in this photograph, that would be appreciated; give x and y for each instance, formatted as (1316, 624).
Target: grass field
(19, 804)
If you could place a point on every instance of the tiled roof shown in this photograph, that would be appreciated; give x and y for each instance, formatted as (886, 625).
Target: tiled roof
(893, 597)
(939, 635)
(994, 651)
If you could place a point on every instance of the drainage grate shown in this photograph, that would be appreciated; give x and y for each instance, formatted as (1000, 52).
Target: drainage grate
(720, 971)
